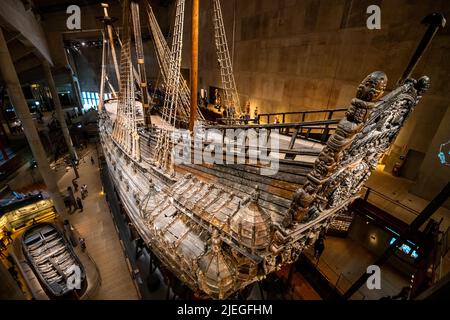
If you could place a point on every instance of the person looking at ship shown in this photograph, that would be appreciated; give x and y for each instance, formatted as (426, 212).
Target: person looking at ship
(80, 204)
(75, 185)
(255, 114)
(82, 242)
(84, 191)
(218, 100)
(319, 246)
(276, 120)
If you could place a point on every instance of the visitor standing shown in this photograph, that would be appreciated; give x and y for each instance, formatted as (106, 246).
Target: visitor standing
(319, 246)
(82, 242)
(84, 191)
(75, 185)
(80, 204)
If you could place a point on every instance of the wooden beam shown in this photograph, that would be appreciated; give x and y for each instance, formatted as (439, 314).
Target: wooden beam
(194, 65)
(109, 29)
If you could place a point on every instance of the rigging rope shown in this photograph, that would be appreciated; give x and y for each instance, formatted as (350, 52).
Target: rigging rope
(142, 77)
(232, 102)
(125, 126)
(171, 101)
(163, 57)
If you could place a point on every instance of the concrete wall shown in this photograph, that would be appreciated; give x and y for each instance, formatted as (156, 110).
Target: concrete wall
(376, 240)
(433, 175)
(296, 55)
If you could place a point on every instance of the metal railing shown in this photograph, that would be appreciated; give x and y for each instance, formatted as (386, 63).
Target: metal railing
(441, 267)
(337, 280)
(386, 203)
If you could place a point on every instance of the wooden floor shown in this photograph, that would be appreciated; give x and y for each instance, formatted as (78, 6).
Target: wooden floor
(95, 224)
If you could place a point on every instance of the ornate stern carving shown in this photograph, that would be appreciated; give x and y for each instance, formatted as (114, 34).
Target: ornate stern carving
(252, 225)
(216, 273)
(368, 91)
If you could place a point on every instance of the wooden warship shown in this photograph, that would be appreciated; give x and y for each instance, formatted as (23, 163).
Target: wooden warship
(221, 227)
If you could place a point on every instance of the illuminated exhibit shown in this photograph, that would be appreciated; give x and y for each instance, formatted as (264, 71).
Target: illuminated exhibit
(207, 150)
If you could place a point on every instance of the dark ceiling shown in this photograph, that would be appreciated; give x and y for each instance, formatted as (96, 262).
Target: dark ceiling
(49, 6)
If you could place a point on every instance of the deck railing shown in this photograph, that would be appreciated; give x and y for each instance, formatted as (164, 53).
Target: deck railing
(315, 131)
(301, 116)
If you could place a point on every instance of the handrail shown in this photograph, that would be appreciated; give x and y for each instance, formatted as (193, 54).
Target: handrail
(274, 125)
(328, 112)
(285, 128)
(322, 267)
(301, 112)
(239, 120)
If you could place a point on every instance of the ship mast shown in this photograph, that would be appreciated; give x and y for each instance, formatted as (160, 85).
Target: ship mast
(194, 64)
(163, 55)
(162, 154)
(109, 29)
(140, 60)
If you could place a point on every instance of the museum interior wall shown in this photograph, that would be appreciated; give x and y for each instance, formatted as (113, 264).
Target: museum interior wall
(432, 173)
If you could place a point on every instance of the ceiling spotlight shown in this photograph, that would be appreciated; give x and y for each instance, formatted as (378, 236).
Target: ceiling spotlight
(83, 44)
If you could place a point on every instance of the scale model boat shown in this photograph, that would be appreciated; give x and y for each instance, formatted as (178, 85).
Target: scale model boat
(52, 258)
